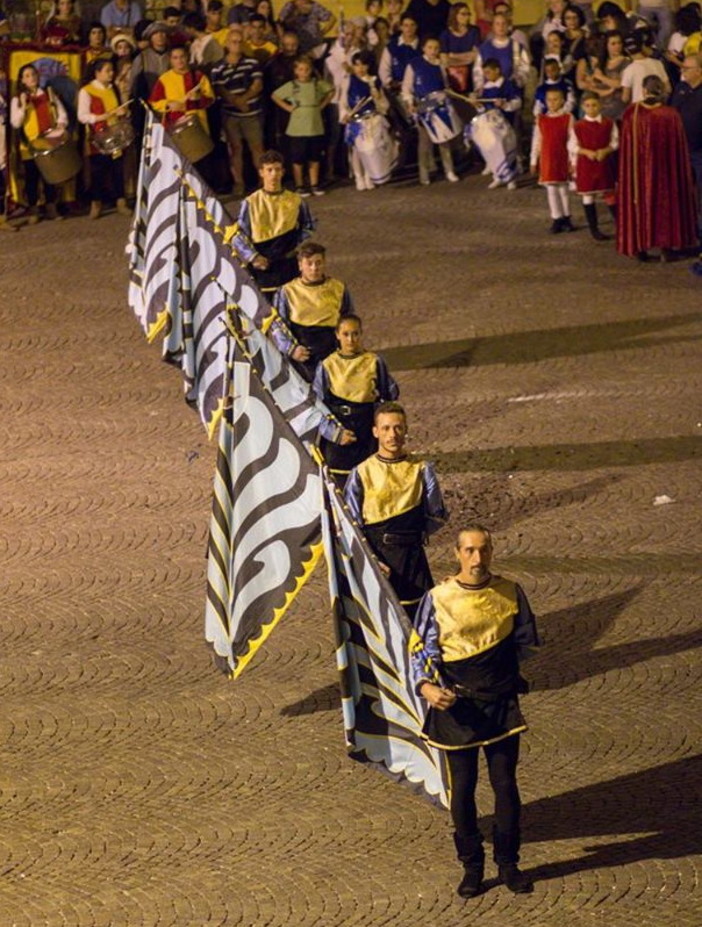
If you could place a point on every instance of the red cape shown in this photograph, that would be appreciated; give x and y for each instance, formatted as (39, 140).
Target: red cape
(655, 192)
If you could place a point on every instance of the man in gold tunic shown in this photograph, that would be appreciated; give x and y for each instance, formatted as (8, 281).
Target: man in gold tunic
(310, 306)
(473, 630)
(397, 502)
(272, 224)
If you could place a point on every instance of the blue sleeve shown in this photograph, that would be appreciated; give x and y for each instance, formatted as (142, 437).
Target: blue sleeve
(320, 384)
(425, 653)
(242, 240)
(387, 387)
(353, 496)
(305, 222)
(526, 636)
(280, 303)
(435, 512)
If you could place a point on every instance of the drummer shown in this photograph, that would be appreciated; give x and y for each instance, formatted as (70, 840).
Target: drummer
(424, 92)
(182, 91)
(35, 113)
(362, 103)
(500, 153)
(100, 109)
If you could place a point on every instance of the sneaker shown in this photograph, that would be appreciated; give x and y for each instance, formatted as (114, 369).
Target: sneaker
(302, 191)
(317, 191)
(495, 184)
(451, 177)
(512, 185)
(485, 171)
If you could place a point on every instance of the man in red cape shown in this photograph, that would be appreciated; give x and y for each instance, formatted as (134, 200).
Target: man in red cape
(655, 192)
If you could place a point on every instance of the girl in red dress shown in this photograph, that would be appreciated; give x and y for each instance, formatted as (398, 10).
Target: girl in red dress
(549, 153)
(593, 141)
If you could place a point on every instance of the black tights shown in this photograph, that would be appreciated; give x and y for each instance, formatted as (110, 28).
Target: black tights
(502, 758)
(32, 180)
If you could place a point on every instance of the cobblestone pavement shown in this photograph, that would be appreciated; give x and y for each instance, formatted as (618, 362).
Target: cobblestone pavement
(558, 388)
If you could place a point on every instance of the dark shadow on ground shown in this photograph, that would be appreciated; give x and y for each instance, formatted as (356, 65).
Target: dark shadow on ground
(494, 501)
(324, 699)
(663, 803)
(533, 346)
(572, 633)
(571, 456)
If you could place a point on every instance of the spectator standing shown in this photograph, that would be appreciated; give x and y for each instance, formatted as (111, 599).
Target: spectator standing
(305, 97)
(687, 100)
(120, 16)
(643, 65)
(311, 22)
(431, 16)
(238, 83)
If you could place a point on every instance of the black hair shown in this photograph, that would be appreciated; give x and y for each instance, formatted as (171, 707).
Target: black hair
(195, 21)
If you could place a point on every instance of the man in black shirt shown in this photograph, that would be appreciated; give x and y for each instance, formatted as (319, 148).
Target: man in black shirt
(687, 100)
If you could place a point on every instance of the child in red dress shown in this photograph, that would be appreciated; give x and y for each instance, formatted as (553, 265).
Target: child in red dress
(593, 141)
(549, 152)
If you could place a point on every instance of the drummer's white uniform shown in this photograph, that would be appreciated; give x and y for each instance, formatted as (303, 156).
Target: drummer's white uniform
(423, 87)
(372, 148)
(492, 134)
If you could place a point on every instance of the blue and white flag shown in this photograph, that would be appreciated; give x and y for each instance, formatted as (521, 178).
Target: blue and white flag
(383, 715)
(264, 537)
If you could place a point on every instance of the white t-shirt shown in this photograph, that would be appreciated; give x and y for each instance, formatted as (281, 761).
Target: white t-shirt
(636, 73)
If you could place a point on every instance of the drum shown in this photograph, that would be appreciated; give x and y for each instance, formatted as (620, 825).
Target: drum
(496, 141)
(191, 138)
(376, 147)
(56, 156)
(112, 140)
(436, 114)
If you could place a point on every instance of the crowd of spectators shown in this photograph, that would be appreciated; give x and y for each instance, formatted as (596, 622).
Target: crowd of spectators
(366, 97)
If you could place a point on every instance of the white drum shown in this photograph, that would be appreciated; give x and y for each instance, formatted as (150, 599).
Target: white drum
(437, 115)
(496, 141)
(376, 147)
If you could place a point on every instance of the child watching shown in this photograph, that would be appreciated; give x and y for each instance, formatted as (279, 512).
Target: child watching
(549, 153)
(592, 142)
(304, 98)
(351, 382)
(553, 79)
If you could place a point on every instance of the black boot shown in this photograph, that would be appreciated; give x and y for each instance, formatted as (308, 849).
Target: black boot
(506, 854)
(471, 854)
(567, 225)
(613, 211)
(591, 216)
(515, 880)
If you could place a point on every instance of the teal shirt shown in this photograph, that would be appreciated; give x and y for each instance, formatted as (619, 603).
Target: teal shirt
(306, 118)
